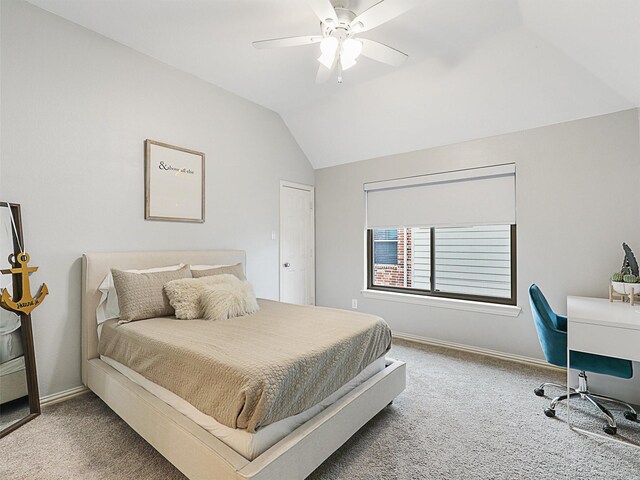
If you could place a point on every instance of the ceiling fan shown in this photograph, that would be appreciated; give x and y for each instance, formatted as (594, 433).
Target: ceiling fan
(340, 44)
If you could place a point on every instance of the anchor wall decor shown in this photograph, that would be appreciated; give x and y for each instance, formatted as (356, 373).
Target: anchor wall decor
(26, 303)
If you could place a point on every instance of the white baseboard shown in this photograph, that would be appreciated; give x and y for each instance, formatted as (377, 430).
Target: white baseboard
(481, 351)
(63, 396)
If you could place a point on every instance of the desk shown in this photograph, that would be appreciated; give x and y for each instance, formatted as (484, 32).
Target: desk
(596, 325)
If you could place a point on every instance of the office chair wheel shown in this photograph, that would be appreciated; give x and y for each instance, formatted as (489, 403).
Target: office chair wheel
(631, 416)
(539, 392)
(609, 430)
(550, 412)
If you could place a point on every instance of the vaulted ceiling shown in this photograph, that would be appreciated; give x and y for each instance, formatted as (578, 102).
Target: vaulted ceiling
(476, 68)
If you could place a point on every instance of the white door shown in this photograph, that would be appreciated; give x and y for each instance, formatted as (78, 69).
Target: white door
(297, 260)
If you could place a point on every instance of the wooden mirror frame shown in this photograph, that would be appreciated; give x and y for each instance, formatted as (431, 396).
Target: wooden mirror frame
(25, 329)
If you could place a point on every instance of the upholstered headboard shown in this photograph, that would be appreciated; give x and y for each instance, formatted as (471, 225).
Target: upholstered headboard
(95, 266)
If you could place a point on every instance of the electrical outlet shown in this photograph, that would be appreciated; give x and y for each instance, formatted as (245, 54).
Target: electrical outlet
(354, 303)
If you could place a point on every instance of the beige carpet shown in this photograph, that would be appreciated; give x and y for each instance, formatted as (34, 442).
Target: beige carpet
(462, 416)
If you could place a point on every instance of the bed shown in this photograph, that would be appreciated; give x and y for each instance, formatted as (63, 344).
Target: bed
(186, 442)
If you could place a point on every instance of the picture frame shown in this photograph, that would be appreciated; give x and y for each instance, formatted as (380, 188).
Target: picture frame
(174, 183)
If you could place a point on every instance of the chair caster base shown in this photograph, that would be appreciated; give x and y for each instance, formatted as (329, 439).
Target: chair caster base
(539, 392)
(609, 430)
(631, 416)
(549, 412)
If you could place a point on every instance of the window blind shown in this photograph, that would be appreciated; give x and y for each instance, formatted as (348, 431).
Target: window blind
(472, 197)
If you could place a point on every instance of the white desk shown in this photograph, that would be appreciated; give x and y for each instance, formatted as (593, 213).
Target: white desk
(596, 325)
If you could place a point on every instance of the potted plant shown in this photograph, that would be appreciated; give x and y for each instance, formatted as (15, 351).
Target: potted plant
(627, 280)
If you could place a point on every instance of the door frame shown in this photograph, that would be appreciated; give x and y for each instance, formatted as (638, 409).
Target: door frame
(312, 262)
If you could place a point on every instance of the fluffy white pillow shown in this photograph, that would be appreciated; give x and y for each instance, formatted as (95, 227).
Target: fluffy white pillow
(108, 307)
(228, 299)
(184, 294)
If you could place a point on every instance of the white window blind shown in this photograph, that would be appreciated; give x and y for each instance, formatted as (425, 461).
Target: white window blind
(473, 197)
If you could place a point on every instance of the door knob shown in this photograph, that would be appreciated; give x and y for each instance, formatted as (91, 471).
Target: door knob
(286, 265)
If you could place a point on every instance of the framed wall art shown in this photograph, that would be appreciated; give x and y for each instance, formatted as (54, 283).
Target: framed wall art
(174, 183)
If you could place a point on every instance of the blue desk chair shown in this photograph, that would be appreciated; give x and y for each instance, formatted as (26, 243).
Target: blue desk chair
(552, 333)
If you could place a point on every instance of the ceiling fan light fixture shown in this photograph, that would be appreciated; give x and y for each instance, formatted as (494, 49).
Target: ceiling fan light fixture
(351, 48)
(347, 62)
(327, 60)
(328, 49)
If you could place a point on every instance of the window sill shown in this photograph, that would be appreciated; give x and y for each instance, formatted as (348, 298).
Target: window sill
(482, 307)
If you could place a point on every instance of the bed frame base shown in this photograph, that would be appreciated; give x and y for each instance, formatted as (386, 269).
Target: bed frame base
(200, 455)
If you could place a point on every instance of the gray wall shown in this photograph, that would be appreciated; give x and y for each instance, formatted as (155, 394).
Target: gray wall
(76, 108)
(572, 216)
(1, 192)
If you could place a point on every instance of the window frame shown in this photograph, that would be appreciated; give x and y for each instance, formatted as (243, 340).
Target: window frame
(436, 293)
(386, 241)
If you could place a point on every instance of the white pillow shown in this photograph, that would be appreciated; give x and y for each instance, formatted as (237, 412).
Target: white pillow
(206, 267)
(230, 299)
(108, 306)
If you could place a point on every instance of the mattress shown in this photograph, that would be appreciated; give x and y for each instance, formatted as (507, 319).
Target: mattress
(13, 380)
(254, 370)
(12, 366)
(249, 445)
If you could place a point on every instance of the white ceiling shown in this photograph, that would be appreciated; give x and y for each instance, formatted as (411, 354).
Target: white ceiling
(476, 67)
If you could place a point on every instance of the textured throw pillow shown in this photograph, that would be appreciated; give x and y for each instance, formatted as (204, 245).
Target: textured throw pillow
(184, 294)
(108, 306)
(228, 300)
(140, 295)
(236, 270)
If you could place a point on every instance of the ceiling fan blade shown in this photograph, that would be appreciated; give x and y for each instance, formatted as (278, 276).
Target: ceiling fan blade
(380, 13)
(324, 10)
(324, 73)
(382, 53)
(288, 41)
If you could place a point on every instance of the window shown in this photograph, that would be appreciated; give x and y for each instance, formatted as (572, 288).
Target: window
(449, 234)
(385, 246)
(470, 263)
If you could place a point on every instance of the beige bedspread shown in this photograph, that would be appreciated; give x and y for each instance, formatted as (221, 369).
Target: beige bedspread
(254, 370)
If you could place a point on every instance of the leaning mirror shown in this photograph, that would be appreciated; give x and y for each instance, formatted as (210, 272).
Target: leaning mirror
(19, 401)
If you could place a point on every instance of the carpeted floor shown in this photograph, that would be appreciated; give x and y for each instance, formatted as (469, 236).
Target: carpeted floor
(462, 416)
